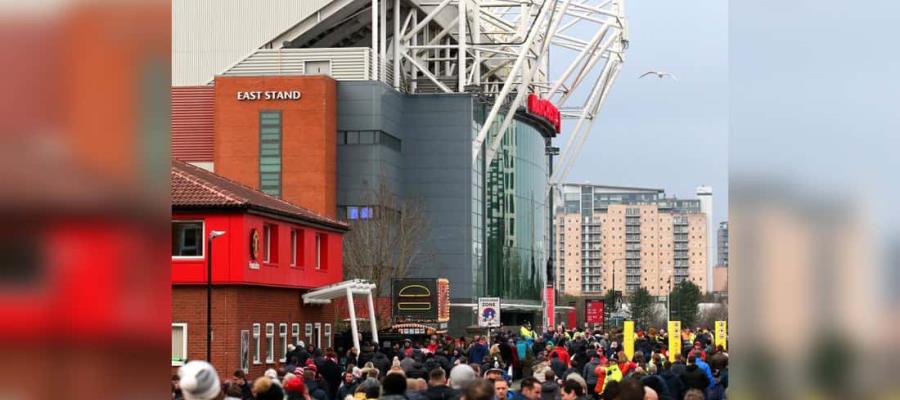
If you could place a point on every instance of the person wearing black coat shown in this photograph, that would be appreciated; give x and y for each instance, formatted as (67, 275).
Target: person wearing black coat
(316, 391)
(657, 383)
(694, 378)
(381, 362)
(348, 386)
(557, 365)
(673, 382)
(331, 373)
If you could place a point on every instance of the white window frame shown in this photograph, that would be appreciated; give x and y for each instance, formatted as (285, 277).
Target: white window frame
(256, 355)
(202, 239)
(267, 243)
(328, 335)
(318, 332)
(294, 235)
(184, 342)
(270, 343)
(295, 333)
(308, 331)
(245, 366)
(318, 251)
(282, 331)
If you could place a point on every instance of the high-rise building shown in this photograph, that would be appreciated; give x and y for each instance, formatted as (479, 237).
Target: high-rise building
(722, 248)
(626, 238)
(705, 195)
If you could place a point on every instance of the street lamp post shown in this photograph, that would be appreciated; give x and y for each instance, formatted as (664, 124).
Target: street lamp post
(209, 247)
(615, 296)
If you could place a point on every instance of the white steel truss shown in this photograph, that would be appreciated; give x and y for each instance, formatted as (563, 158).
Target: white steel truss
(497, 49)
(504, 55)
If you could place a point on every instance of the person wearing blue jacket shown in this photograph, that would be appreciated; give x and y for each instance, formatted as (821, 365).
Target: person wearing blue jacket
(478, 350)
(693, 359)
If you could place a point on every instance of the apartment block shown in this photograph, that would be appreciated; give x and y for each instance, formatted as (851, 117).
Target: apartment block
(626, 238)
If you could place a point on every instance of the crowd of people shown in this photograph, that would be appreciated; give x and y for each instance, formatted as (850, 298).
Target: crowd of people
(567, 364)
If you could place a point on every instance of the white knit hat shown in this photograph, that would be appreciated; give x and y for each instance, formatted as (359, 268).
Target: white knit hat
(199, 381)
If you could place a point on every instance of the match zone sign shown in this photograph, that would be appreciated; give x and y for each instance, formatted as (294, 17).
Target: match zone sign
(489, 312)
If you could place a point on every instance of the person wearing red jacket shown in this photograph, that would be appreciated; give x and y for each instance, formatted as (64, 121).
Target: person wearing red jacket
(563, 354)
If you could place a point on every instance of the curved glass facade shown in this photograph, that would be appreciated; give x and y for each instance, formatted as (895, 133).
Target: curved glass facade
(515, 229)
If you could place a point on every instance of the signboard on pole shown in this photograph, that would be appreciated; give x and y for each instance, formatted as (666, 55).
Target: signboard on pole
(674, 339)
(628, 339)
(489, 312)
(593, 310)
(722, 334)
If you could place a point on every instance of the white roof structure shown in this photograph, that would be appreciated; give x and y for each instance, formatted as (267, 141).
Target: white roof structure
(347, 289)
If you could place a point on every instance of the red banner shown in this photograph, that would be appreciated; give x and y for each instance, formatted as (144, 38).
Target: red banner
(593, 310)
(545, 109)
(572, 316)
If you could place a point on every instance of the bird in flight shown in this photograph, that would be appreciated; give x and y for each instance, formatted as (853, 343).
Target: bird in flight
(659, 74)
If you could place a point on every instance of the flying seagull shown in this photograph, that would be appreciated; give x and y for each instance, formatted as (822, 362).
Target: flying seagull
(659, 74)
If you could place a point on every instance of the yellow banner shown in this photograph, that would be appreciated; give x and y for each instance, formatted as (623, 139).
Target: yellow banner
(722, 334)
(628, 339)
(674, 339)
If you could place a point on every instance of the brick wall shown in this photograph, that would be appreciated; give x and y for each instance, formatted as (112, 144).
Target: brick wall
(237, 308)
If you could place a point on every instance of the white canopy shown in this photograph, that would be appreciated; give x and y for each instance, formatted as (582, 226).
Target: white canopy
(347, 289)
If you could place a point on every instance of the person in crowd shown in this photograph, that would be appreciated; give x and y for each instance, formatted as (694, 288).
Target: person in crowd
(347, 387)
(415, 389)
(694, 377)
(501, 390)
(530, 390)
(558, 366)
(264, 388)
(572, 390)
(438, 388)
(295, 389)
(313, 387)
(198, 380)
(479, 389)
(694, 394)
(550, 388)
(393, 387)
(239, 380)
(478, 350)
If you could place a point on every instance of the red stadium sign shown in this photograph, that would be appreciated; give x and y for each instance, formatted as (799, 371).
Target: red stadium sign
(593, 310)
(545, 109)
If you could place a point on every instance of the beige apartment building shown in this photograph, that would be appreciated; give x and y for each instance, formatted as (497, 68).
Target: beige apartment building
(627, 238)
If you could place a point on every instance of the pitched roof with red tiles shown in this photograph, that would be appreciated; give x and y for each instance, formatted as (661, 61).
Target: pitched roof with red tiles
(194, 187)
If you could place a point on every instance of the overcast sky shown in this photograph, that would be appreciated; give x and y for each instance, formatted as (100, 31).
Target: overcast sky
(666, 134)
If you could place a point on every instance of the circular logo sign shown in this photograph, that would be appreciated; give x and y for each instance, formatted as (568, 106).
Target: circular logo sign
(254, 244)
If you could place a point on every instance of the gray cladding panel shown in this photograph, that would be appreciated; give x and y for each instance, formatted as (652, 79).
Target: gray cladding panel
(434, 166)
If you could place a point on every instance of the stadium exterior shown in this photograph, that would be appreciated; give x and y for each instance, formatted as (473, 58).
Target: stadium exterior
(459, 125)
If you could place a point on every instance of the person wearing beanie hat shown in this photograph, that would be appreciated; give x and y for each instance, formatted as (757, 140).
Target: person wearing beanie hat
(199, 381)
(272, 374)
(295, 389)
(461, 376)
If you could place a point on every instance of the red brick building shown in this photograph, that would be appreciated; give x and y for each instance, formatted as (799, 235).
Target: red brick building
(272, 252)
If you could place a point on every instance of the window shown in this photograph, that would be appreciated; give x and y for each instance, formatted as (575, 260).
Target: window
(245, 351)
(296, 247)
(318, 337)
(187, 239)
(295, 333)
(317, 67)
(320, 248)
(270, 152)
(256, 340)
(270, 343)
(282, 332)
(270, 243)
(179, 344)
(308, 332)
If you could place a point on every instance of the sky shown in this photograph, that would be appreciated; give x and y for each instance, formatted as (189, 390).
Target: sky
(666, 134)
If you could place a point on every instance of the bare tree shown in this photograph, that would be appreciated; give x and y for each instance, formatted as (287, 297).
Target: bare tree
(385, 238)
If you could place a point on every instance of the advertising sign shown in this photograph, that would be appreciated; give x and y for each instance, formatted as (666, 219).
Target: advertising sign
(628, 339)
(722, 334)
(415, 300)
(593, 310)
(489, 312)
(443, 299)
(674, 339)
(544, 109)
(550, 312)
